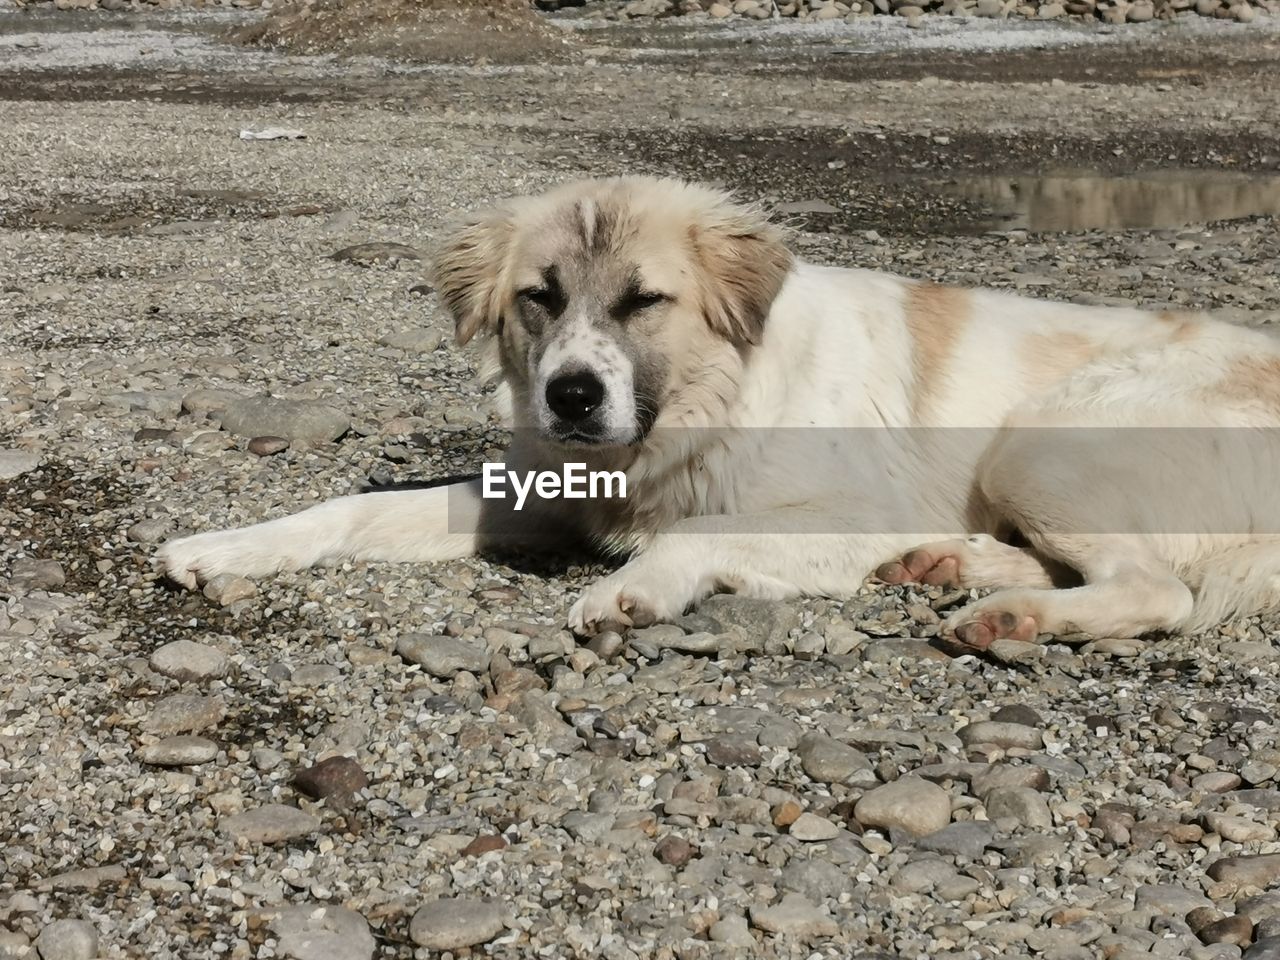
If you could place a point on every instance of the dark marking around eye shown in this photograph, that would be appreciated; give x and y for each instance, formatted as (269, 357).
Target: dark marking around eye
(549, 296)
(634, 299)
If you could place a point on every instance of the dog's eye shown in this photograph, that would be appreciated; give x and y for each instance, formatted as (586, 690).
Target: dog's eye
(636, 300)
(544, 297)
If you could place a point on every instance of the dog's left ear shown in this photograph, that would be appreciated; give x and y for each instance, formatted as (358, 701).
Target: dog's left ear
(744, 262)
(471, 272)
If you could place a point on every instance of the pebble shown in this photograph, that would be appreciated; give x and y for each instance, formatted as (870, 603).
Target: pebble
(812, 828)
(827, 760)
(332, 777)
(150, 531)
(674, 851)
(1239, 829)
(734, 931)
(68, 940)
(322, 931)
(454, 923)
(908, 803)
(14, 463)
(185, 713)
(964, 838)
(796, 916)
(1260, 870)
(1001, 735)
(268, 446)
(27, 575)
(298, 421)
(179, 751)
(443, 657)
(226, 589)
(273, 823)
(189, 662)
(1023, 804)
(414, 340)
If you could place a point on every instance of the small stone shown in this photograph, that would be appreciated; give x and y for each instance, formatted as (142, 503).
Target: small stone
(1238, 829)
(1023, 804)
(1216, 781)
(735, 931)
(1237, 930)
(1114, 647)
(149, 531)
(453, 923)
(908, 803)
(444, 656)
(1243, 13)
(1015, 651)
(785, 813)
(14, 463)
(964, 838)
(333, 777)
(482, 845)
(68, 940)
(29, 575)
(188, 661)
(1018, 713)
(795, 916)
(414, 340)
(298, 421)
(1259, 871)
(674, 851)
(733, 750)
(184, 713)
(827, 760)
(1001, 735)
(180, 751)
(367, 254)
(226, 589)
(273, 823)
(322, 931)
(268, 446)
(812, 828)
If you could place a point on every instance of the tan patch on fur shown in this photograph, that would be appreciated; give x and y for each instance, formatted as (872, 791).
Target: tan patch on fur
(1046, 358)
(1253, 382)
(935, 316)
(1184, 324)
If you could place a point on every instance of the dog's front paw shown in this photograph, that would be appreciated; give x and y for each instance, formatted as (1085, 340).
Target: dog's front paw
(192, 561)
(628, 598)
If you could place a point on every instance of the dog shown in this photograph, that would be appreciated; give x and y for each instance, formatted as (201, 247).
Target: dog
(789, 429)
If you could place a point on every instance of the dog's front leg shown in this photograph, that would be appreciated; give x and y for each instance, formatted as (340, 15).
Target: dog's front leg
(777, 555)
(440, 523)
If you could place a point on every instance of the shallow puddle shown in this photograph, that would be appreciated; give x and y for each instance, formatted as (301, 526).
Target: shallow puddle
(1080, 201)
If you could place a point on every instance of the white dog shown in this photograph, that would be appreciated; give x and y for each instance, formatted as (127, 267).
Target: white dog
(786, 429)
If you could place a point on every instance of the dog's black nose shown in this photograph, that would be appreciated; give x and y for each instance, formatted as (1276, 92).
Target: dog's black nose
(575, 397)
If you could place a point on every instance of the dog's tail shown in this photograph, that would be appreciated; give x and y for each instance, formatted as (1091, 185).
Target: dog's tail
(1236, 582)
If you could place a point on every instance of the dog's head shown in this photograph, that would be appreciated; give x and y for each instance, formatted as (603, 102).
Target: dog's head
(610, 299)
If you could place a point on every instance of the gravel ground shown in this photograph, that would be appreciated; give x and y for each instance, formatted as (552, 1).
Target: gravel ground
(399, 761)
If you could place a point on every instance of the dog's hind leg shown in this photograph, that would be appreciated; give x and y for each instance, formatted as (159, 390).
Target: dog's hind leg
(1127, 592)
(975, 561)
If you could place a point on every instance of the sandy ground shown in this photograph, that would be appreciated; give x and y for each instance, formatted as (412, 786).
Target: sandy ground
(641, 796)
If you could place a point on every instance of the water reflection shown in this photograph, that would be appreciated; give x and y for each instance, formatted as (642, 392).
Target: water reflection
(1080, 201)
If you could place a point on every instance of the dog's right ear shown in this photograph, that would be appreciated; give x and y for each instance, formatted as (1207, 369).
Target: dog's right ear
(472, 269)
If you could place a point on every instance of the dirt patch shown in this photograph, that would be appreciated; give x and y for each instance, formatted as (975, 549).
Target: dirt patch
(435, 31)
(186, 210)
(826, 180)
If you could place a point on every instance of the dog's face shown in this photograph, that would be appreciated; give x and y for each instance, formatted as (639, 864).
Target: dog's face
(609, 298)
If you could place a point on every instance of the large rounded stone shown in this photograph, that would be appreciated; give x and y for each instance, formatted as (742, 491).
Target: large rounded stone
(298, 421)
(453, 923)
(909, 803)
